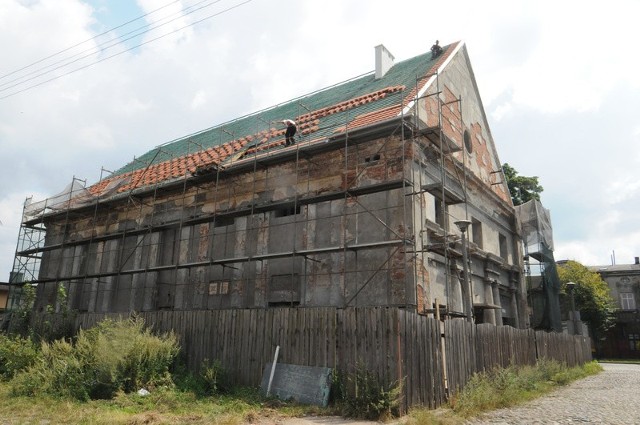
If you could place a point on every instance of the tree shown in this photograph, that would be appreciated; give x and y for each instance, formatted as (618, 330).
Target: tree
(521, 188)
(591, 295)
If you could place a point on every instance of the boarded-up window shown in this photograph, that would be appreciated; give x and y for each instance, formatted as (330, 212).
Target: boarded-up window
(219, 287)
(439, 213)
(283, 289)
(504, 252)
(476, 232)
(166, 293)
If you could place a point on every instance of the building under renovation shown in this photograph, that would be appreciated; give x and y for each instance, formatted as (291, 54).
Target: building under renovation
(391, 195)
(541, 274)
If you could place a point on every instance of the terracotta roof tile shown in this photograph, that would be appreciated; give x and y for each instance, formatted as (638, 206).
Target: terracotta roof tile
(376, 106)
(375, 116)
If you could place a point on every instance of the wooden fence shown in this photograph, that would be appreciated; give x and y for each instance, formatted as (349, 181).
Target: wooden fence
(431, 358)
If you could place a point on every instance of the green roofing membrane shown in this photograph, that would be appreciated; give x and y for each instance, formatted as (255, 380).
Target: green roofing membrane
(403, 73)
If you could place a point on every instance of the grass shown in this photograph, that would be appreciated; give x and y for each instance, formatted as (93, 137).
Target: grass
(502, 388)
(163, 406)
(485, 392)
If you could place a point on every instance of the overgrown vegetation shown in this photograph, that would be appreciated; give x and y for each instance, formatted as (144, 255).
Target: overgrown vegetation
(361, 395)
(510, 386)
(99, 372)
(162, 406)
(55, 322)
(503, 388)
(211, 379)
(113, 356)
(97, 375)
(16, 353)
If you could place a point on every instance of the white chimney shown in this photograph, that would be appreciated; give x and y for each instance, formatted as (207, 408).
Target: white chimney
(384, 61)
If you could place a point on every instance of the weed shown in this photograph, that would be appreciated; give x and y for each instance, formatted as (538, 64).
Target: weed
(361, 395)
(16, 353)
(113, 356)
(509, 386)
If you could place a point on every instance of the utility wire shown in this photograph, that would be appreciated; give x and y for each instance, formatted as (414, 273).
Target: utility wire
(99, 48)
(87, 40)
(95, 49)
(127, 50)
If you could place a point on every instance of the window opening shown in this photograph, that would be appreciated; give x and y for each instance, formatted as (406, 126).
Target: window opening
(503, 247)
(223, 221)
(285, 212)
(627, 301)
(476, 232)
(467, 141)
(219, 287)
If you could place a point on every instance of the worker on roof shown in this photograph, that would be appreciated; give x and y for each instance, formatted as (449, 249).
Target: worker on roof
(436, 50)
(291, 131)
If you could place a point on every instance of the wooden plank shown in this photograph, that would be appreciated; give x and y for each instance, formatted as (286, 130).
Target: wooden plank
(393, 343)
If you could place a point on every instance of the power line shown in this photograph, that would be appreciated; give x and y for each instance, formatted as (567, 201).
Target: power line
(99, 48)
(87, 40)
(129, 49)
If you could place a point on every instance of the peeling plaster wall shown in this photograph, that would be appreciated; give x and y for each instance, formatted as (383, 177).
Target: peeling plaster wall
(158, 252)
(289, 234)
(495, 257)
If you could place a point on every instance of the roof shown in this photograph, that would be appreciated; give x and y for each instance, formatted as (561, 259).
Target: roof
(355, 103)
(616, 268)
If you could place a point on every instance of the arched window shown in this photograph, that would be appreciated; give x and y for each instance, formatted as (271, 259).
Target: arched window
(467, 141)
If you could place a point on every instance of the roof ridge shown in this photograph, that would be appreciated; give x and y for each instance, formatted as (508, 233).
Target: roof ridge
(308, 124)
(326, 110)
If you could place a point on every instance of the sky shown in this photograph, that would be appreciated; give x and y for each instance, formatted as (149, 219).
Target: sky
(559, 82)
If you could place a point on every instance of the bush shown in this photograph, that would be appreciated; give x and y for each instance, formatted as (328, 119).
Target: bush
(56, 372)
(16, 354)
(506, 387)
(212, 379)
(113, 356)
(361, 395)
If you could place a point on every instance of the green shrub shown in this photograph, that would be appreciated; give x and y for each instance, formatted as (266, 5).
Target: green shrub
(361, 395)
(506, 387)
(56, 372)
(20, 319)
(113, 356)
(16, 354)
(212, 379)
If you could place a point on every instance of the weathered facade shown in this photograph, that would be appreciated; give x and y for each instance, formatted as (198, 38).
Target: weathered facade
(623, 340)
(364, 210)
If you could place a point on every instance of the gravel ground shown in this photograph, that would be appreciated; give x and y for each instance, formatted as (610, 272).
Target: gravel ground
(611, 397)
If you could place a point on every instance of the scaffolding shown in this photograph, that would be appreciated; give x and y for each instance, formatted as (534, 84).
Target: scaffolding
(154, 246)
(543, 283)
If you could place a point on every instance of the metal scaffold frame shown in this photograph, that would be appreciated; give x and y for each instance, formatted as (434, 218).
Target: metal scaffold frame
(135, 240)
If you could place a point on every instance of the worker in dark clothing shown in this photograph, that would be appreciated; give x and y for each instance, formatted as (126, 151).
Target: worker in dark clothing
(291, 131)
(436, 50)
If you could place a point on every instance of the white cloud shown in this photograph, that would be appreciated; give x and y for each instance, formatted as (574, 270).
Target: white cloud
(557, 80)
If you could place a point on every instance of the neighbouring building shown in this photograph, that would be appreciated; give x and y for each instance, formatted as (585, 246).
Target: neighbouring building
(4, 296)
(365, 209)
(623, 340)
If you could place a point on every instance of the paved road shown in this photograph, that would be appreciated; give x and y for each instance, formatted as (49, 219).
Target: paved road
(611, 397)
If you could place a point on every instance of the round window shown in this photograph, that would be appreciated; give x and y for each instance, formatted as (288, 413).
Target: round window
(467, 141)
